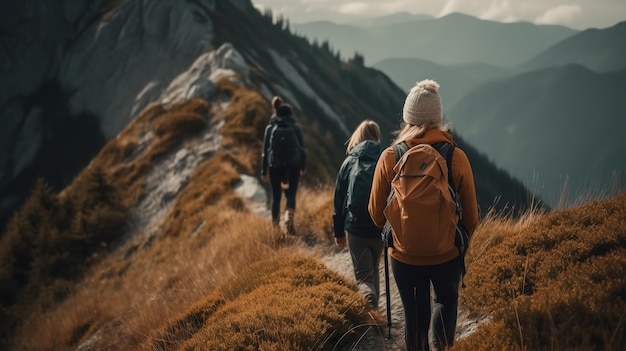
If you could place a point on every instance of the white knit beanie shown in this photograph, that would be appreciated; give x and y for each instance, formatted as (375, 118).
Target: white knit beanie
(423, 104)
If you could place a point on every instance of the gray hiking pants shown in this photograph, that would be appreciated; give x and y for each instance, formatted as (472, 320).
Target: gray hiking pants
(366, 254)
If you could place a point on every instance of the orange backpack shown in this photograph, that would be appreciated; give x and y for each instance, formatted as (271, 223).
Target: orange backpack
(423, 209)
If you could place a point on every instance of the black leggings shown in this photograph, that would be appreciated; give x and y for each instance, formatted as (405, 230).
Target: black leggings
(289, 175)
(414, 284)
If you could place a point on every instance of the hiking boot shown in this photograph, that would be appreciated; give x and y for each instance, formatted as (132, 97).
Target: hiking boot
(290, 228)
(289, 221)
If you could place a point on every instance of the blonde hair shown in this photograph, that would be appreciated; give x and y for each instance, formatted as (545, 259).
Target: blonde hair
(367, 130)
(412, 131)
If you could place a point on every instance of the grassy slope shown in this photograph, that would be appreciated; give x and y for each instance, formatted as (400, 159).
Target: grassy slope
(240, 279)
(556, 281)
(129, 294)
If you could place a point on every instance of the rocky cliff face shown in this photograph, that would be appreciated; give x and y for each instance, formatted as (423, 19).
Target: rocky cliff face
(75, 72)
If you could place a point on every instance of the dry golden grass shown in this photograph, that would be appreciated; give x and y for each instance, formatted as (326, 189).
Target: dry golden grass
(211, 183)
(219, 277)
(286, 303)
(238, 274)
(557, 282)
(247, 116)
(125, 297)
(314, 214)
(128, 157)
(138, 290)
(50, 239)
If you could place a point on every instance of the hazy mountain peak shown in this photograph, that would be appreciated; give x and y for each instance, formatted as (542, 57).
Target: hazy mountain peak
(386, 20)
(598, 49)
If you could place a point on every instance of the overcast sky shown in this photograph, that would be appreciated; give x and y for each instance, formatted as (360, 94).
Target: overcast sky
(577, 14)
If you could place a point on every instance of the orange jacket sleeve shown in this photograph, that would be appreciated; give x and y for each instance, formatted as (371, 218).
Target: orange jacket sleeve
(464, 184)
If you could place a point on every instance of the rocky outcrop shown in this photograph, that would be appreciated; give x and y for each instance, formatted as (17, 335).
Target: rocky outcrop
(140, 50)
(199, 80)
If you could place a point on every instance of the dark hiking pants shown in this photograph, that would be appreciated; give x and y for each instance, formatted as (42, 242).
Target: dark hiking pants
(414, 285)
(292, 177)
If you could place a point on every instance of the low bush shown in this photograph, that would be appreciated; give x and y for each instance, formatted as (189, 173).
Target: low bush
(52, 239)
(286, 303)
(558, 284)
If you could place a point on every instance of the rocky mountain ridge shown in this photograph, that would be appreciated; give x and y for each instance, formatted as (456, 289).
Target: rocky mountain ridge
(75, 84)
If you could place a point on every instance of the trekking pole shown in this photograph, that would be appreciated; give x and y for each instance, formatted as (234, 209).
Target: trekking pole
(388, 297)
(386, 232)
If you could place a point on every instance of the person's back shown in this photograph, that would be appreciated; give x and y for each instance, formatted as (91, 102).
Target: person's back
(350, 213)
(416, 271)
(284, 144)
(362, 158)
(283, 160)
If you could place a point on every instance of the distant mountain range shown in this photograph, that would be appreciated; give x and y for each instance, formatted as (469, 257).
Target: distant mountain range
(601, 50)
(550, 126)
(453, 39)
(386, 20)
(455, 80)
(563, 90)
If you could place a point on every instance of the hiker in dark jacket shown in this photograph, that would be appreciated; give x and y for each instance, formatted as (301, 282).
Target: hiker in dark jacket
(363, 240)
(284, 164)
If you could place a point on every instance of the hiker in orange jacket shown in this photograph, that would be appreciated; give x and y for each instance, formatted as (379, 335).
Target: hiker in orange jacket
(423, 124)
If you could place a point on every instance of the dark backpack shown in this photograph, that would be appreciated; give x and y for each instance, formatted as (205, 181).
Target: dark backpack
(284, 147)
(359, 188)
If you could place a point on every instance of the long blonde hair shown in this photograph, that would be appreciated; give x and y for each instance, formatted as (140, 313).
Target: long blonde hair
(411, 131)
(367, 130)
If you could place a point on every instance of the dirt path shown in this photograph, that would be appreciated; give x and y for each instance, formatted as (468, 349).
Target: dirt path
(373, 340)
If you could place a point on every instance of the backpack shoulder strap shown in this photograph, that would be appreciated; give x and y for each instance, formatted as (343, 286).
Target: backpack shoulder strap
(446, 150)
(461, 238)
(399, 150)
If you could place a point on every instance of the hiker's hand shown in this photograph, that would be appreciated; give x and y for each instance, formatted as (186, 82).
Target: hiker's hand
(302, 171)
(341, 241)
(264, 177)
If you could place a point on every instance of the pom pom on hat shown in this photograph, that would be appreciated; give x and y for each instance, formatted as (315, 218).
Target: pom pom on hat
(423, 104)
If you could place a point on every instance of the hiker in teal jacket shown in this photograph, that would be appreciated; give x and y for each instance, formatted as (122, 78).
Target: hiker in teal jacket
(350, 212)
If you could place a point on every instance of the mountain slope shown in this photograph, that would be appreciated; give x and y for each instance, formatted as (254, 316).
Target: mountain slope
(551, 128)
(386, 20)
(455, 80)
(152, 63)
(600, 50)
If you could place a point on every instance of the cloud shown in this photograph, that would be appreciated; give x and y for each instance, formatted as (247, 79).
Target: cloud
(372, 8)
(354, 8)
(564, 14)
(499, 11)
(450, 7)
(573, 13)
